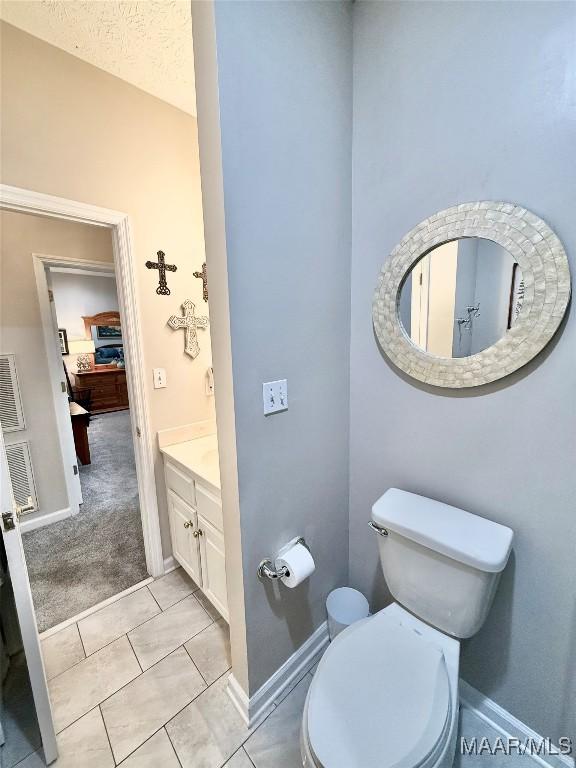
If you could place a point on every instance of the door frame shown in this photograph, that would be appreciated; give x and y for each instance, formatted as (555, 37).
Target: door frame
(42, 263)
(40, 204)
(59, 389)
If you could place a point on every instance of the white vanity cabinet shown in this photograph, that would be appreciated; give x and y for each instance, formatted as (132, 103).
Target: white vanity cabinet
(213, 565)
(196, 528)
(185, 547)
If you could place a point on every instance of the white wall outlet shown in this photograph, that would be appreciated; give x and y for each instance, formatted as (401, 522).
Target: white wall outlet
(159, 378)
(275, 396)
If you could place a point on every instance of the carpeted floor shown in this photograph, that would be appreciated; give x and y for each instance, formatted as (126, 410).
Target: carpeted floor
(83, 560)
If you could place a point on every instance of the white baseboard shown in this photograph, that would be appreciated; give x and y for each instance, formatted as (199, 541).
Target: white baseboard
(256, 708)
(170, 564)
(97, 607)
(239, 697)
(40, 519)
(508, 725)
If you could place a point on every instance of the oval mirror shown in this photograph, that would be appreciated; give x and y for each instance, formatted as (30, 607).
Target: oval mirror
(471, 294)
(461, 297)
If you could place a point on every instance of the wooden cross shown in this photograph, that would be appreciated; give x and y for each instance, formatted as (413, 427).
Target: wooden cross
(204, 277)
(190, 323)
(162, 268)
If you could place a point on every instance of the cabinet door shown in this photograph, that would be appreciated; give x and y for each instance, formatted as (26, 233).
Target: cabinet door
(213, 565)
(185, 547)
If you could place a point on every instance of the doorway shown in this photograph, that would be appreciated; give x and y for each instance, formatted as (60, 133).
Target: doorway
(76, 563)
(103, 538)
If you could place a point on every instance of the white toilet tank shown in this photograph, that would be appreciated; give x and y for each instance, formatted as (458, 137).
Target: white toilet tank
(441, 563)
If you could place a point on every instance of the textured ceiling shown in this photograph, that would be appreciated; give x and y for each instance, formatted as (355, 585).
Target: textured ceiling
(146, 43)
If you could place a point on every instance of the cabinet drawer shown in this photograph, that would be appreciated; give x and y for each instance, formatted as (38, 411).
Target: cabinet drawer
(103, 386)
(209, 506)
(180, 483)
(104, 401)
(103, 394)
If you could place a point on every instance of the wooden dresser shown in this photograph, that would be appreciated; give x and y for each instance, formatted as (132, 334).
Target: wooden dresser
(108, 389)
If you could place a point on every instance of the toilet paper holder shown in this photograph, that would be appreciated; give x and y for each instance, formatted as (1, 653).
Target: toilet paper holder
(267, 568)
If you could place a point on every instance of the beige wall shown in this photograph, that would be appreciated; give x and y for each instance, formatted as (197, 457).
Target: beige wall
(206, 77)
(21, 332)
(72, 130)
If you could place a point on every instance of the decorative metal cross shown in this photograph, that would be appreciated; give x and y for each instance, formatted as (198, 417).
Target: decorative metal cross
(204, 277)
(190, 323)
(162, 268)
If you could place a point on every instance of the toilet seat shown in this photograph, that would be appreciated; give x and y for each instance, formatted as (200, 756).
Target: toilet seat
(379, 699)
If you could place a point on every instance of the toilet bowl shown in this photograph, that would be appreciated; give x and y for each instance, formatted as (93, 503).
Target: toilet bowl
(385, 694)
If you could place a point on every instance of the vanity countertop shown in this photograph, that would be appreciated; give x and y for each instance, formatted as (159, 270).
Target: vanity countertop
(198, 456)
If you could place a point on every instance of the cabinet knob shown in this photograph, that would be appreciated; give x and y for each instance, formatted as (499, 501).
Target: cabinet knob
(196, 534)
(200, 532)
(188, 524)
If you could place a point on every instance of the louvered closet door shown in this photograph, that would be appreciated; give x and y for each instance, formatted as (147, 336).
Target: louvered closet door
(21, 474)
(11, 411)
(12, 420)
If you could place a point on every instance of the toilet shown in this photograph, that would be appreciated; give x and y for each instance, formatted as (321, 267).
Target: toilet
(385, 694)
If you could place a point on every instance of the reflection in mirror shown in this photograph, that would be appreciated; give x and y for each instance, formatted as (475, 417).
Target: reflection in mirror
(461, 297)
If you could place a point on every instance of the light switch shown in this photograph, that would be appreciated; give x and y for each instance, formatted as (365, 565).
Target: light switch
(275, 396)
(159, 378)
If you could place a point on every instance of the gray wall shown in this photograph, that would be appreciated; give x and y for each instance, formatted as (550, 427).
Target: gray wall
(285, 76)
(456, 102)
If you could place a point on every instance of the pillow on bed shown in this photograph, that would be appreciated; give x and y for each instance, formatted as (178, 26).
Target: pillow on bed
(107, 354)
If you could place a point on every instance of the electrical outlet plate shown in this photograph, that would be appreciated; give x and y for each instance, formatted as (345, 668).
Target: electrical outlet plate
(275, 396)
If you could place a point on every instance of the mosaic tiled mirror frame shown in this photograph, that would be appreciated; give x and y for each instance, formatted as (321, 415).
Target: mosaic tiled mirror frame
(546, 276)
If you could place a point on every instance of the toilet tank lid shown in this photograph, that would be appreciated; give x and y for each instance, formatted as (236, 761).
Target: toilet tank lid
(465, 537)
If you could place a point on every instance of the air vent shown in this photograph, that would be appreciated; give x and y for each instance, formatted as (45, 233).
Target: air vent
(11, 412)
(21, 475)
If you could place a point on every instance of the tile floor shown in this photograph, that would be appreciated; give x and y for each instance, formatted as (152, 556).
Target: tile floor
(142, 684)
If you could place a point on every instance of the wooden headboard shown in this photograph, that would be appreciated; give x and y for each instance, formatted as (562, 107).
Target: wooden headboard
(103, 318)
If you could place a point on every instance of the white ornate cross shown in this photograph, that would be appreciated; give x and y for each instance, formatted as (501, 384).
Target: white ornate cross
(190, 323)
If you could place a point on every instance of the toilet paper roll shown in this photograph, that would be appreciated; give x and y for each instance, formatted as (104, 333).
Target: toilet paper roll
(300, 565)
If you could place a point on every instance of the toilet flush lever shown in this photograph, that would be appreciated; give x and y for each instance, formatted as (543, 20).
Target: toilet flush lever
(378, 528)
